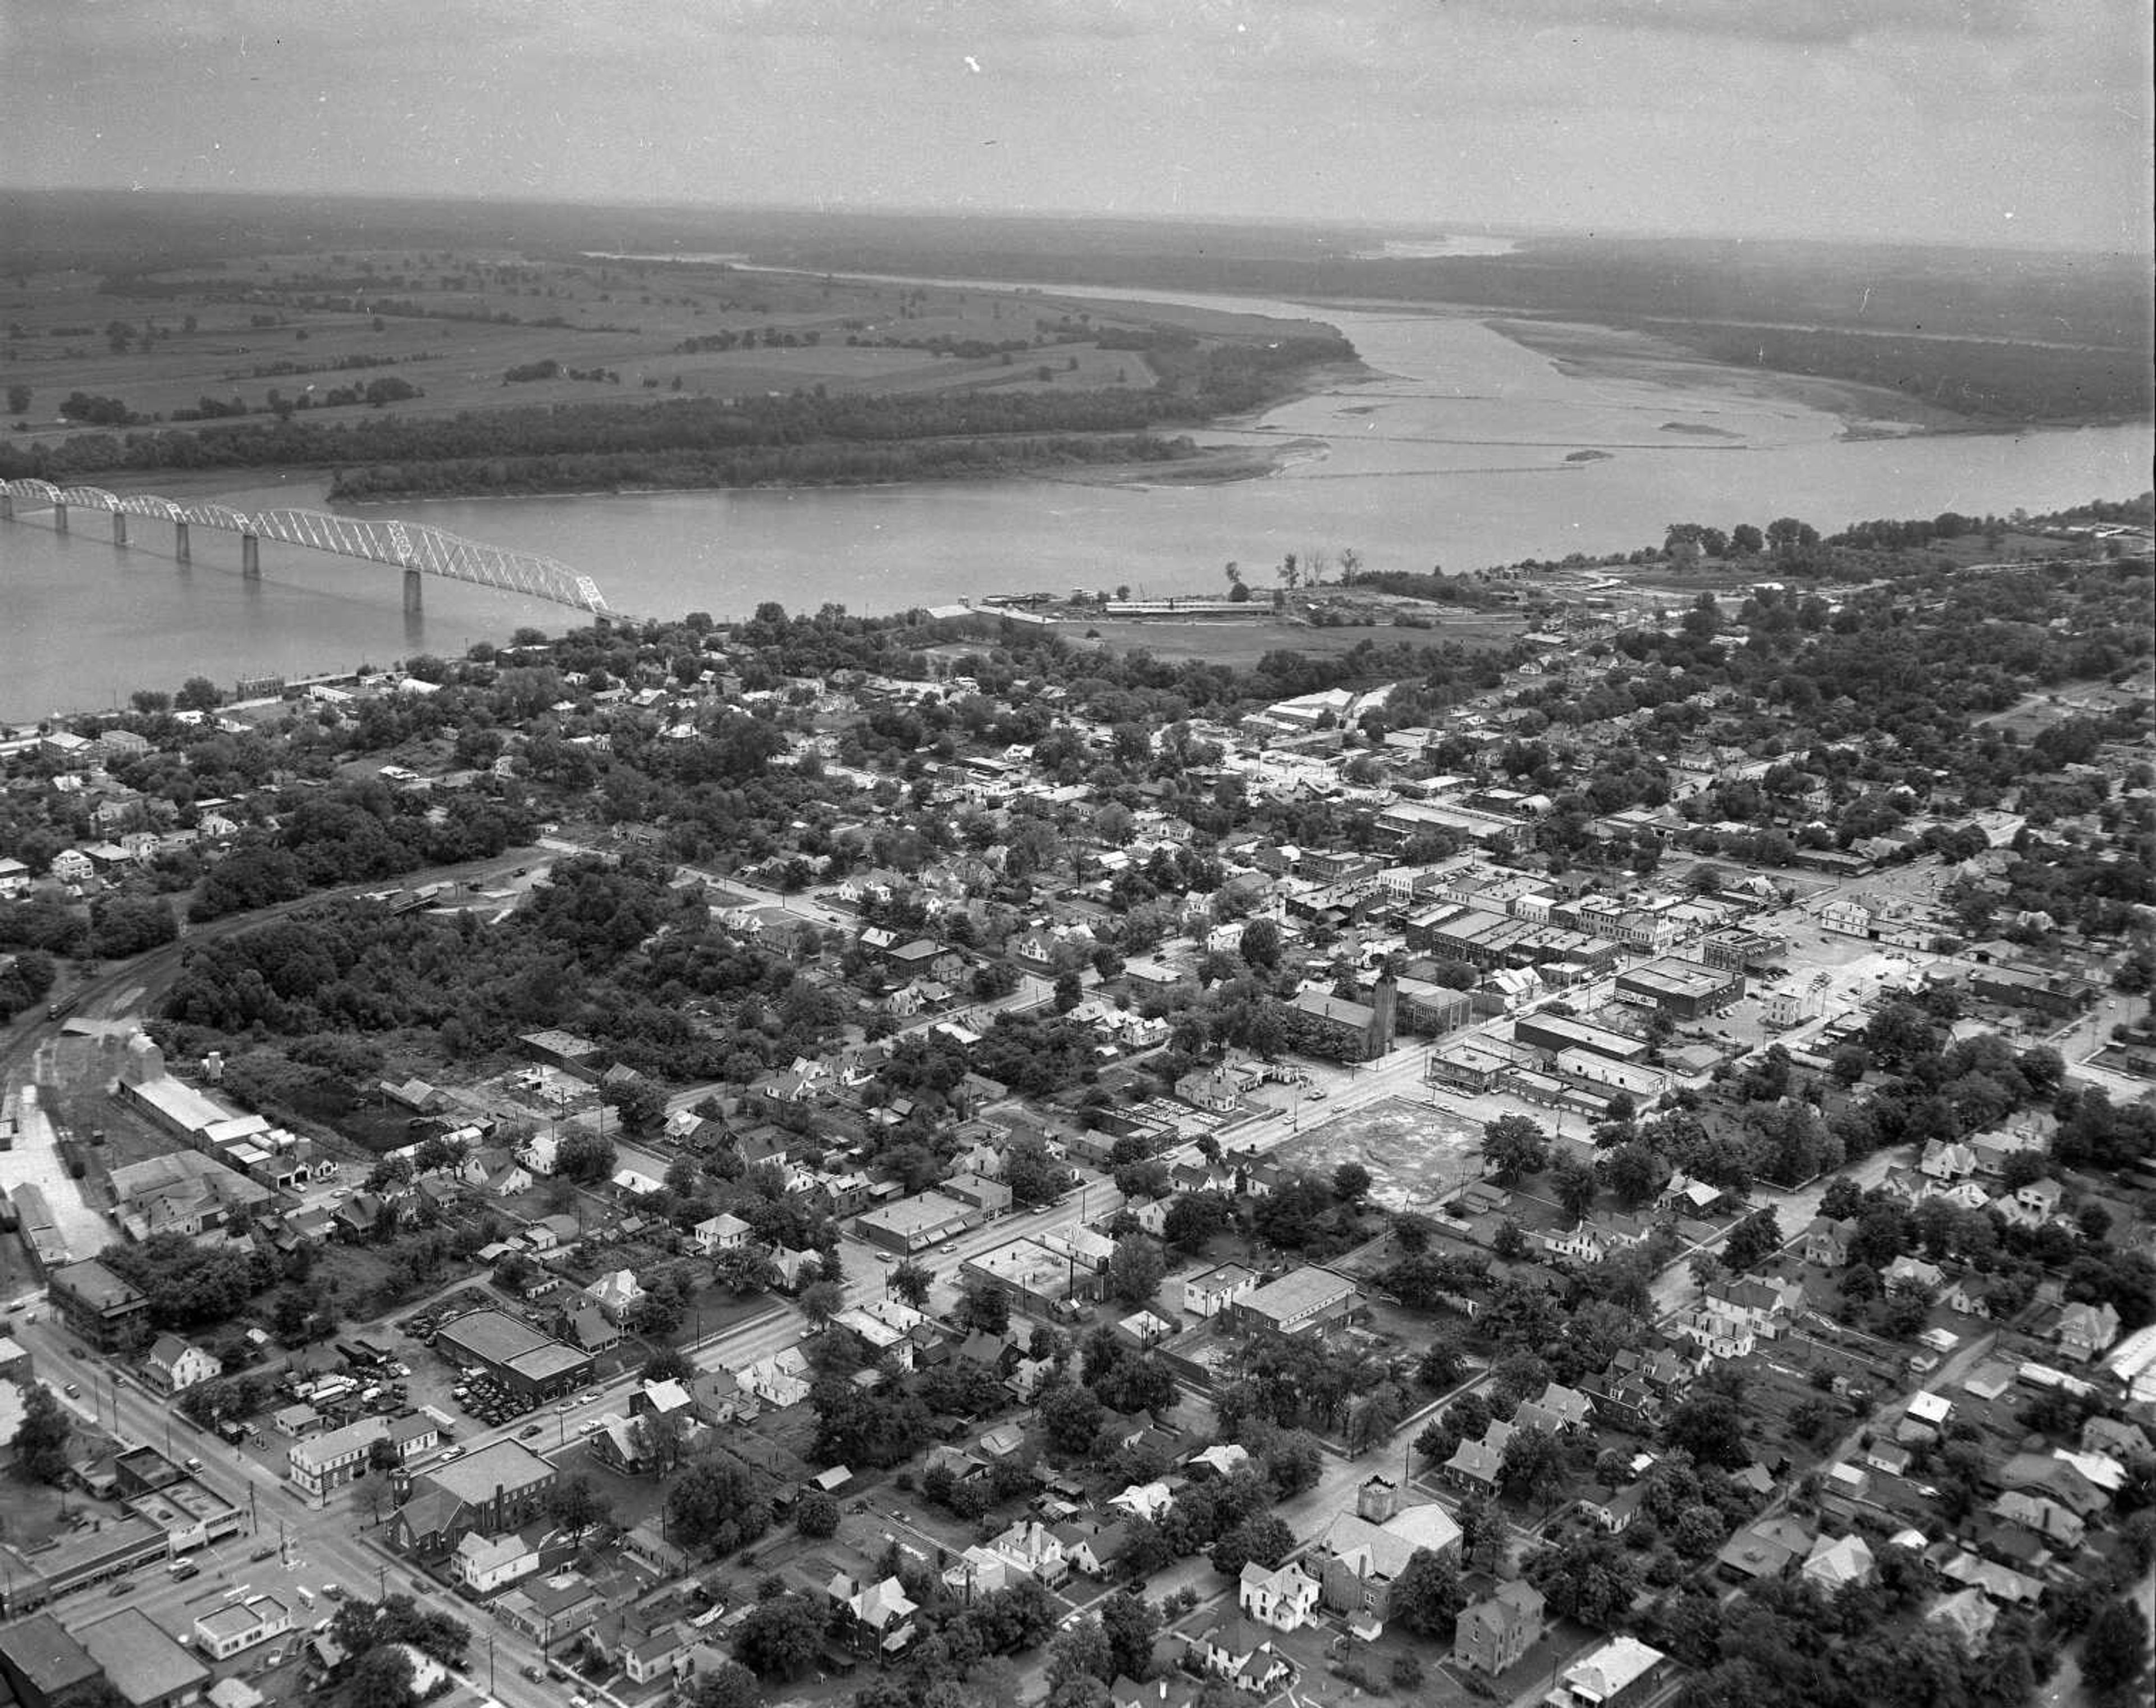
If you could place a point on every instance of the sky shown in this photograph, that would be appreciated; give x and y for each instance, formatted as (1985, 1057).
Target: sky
(2023, 121)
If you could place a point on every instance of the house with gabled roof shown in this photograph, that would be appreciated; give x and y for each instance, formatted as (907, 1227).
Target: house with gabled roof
(1285, 1597)
(1490, 1636)
(1242, 1653)
(172, 1365)
(878, 1615)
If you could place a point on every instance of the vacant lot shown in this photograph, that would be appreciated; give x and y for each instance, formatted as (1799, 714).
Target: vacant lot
(1417, 1156)
(1242, 644)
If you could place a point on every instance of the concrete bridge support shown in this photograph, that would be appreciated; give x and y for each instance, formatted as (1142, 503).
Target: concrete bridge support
(412, 605)
(250, 557)
(7, 506)
(60, 519)
(182, 547)
(120, 527)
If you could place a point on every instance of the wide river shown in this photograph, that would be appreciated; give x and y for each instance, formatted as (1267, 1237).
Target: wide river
(1458, 456)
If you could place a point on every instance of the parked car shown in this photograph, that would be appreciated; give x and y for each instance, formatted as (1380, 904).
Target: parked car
(269, 1552)
(527, 1432)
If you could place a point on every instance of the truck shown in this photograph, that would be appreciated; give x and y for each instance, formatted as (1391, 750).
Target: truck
(61, 1009)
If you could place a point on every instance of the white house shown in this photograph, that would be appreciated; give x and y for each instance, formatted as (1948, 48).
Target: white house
(228, 1629)
(172, 1365)
(1284, 1598)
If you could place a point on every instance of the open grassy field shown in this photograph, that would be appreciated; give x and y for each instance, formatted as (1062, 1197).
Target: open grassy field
(453, 324)
(1243, 643)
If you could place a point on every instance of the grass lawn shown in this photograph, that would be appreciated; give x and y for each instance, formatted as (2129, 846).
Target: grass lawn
(1241, 643)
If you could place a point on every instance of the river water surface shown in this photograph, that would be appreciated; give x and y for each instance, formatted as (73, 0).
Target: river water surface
(1462, 454)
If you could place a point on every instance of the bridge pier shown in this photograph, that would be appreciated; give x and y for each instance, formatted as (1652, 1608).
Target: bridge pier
(182, 547)
(250, 557)
(412, 605)
(60, 519)
(120, 527)
(7, 506)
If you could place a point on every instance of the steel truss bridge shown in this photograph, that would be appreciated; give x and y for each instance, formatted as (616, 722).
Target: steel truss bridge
(411, 546)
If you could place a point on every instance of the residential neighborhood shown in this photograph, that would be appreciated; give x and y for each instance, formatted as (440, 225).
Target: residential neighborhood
(816, 1160)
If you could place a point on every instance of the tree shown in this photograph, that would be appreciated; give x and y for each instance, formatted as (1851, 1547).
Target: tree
(1131, 1623)
(1351, 1183)
(382, 1455)
(1532, 1464)
(575, 1505)
(729, 1685)
(986, 1306)
(1426, 1595)
(1072, 1415)
(670, 1364)
(2114, 1649)
(1194, 1218)
(816, 1514)
(1260, 945)
(779, 1638)
(41, 1438)
(1512, 1146)
(1574, 1182)
(1710, 1427)
(197, 693)
(18, 399)
(1136, 1269)
(1753, 1240)
(820, 1302)
(1080, 1651)
(380, 1678)
(584, 1156)
(1262, 1539)
(910, 1282)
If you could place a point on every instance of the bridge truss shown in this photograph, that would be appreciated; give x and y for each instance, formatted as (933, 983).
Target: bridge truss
(409, 546)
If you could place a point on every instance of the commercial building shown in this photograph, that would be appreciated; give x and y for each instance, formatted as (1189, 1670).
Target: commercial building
(99, 1306)
(1554, 1034)
(142, 1661)
(45, 1666)
(1300, 1302)
(1684, 990)
(224, 1631)
(84, 1558)
(1736, 949)
(321, 1463)
(533, 1365)
(908, 1225)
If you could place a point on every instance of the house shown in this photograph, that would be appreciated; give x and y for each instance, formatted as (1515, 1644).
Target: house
(1834, 1564)
(1826, 1242)
(172, 1365)
(494, 1171)
(1613, 1510)
(1031, 1547)
(1624, 1670)
(1490, 1637)
(1967, 1615)
(1094, 1549)
(724, 1232)
(1212, 1089)
(1284, 1598)
(2085, 1331)
(484, 1564)
(1242, 1653)
(1147, 1501)
(878, 1615)
(615, 1295)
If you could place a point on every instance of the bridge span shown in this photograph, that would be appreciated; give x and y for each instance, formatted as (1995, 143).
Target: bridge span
(411, 546)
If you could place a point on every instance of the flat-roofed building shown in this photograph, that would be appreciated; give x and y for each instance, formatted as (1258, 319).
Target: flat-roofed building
(224, 1631)
(44, 1665)
(143, 1661)
(908, 1225)
(1300, 1302)
(531, 1365)
(1684, 990)
(101, 1307)
(1555, 1034)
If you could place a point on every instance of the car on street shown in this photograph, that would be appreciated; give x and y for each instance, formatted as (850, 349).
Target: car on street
(335, 1592)
(121, 1587)
(265, 1553)
(527, 1432)
(184, 1569)
(590, 1426)
(537, 1675)
(566, 1406)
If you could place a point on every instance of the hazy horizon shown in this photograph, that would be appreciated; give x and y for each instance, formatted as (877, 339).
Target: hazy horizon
(1974, 123)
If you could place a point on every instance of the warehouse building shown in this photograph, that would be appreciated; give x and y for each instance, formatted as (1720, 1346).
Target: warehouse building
(1684, 990)
(533, 1365)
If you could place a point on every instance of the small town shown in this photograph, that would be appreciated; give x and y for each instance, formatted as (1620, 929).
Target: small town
(1600, 1159)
